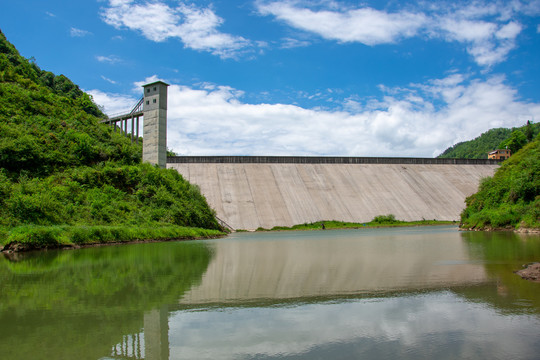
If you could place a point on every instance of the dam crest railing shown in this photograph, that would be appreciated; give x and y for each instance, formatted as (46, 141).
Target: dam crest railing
(325, 160)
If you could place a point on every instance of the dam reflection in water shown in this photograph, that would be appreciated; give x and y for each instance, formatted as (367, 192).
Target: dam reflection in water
(407, 293)
(371, 293)
(250, 267)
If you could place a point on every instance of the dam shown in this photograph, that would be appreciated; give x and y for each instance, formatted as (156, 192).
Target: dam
(251, 192)
(254, 192)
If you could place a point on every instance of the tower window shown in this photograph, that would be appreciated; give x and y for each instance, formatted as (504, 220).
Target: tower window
(147, 102)
(154, 88)
(148, 90)
(154, 101)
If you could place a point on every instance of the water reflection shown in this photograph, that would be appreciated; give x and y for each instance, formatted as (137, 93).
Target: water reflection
(75, 303)
(407, 293)
(250, 267)
(437, 325)
(503, 253)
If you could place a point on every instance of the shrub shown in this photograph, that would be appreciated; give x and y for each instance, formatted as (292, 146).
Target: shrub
(59, 165)
(38, 235)
(510, 197)
(384, 219)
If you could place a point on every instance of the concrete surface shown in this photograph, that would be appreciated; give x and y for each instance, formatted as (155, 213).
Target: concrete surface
(155, 124)
(248, 196)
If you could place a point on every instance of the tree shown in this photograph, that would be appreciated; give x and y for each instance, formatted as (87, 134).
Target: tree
(515, 142)
(529, 131)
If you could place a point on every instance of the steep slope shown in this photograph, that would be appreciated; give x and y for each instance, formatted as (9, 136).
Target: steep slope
(48, 123)
(511, 198)
(59, 165)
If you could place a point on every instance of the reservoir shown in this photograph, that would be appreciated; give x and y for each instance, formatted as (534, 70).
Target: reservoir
(407, 293)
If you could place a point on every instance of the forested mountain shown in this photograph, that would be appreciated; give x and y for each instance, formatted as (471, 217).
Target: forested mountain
(511, 198)
(493, 139)
(60, 166)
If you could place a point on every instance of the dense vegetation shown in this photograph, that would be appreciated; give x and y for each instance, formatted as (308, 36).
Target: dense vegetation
(493, 139)
(511, 198)
(60, 166)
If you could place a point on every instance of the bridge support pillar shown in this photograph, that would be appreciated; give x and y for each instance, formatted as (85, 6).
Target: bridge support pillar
(155, 124)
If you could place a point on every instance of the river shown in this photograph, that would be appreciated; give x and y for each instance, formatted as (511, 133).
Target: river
(408, 293)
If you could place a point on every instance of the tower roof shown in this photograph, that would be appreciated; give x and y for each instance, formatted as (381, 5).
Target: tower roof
(156, 82)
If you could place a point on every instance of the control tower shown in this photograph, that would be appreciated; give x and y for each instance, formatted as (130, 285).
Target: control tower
(155, 123)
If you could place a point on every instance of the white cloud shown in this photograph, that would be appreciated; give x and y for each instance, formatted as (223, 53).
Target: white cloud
(466, 30)
(196, 27)
(509, 31)
(483, 28)
(421, 120)
(113, 103)
(74, 32)
(365, 25)
(111, 59)
(108, 80)
(489, 43)
(290, 43)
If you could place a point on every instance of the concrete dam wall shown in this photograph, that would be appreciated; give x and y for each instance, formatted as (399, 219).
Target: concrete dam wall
(252, 192)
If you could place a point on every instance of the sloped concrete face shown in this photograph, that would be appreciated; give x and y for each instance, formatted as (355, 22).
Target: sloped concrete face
(249, 196)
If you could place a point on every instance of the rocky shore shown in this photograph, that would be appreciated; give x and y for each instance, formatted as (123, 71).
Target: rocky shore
(531, 272)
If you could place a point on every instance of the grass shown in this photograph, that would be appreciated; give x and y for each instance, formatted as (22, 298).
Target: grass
(35, 236)
(379, 221)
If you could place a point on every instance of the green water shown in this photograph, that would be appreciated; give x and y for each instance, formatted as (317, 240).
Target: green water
(412, 293)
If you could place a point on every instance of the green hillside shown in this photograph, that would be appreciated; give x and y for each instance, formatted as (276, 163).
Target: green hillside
(493, 139)
(64, 177)
(511, 198)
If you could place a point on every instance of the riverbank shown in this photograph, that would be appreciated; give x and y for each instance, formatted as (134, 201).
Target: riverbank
(521, 230)
(378, 222)
(32, 237)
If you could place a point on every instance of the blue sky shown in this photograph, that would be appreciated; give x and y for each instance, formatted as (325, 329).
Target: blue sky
(298, 77)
